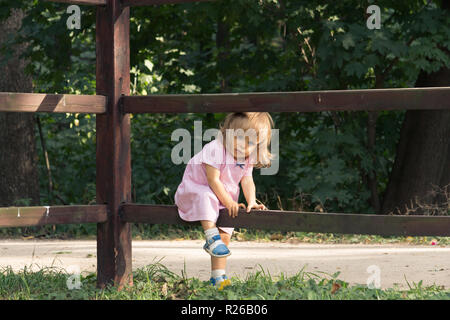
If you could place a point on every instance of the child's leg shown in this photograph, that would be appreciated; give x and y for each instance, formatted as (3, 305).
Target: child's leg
(221, 263)
(206, 224)
(218, 265)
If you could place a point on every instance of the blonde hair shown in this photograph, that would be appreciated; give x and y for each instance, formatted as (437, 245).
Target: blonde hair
(260, 122)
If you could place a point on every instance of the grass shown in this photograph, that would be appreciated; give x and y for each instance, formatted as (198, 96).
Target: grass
(177, 232)
(174, 232)
(156, 282)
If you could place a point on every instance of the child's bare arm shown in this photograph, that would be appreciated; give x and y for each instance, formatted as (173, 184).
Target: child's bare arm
(249, 189)
(222, 194)
(216, 185)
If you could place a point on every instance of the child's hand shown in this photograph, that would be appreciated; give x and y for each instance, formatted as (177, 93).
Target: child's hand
(233, 208)
(254, 205)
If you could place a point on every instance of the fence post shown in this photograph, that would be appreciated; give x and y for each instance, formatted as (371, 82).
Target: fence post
(113, 144)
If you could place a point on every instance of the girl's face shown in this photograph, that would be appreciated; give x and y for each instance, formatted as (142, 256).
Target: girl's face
(244, 146)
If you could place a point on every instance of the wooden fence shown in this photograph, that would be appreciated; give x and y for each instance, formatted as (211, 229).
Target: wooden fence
(113, 104)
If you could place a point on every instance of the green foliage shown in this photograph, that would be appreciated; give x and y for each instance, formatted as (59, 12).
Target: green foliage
(70, 141)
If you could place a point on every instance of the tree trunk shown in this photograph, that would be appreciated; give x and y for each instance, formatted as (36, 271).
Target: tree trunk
(422, 165)
(18, 157)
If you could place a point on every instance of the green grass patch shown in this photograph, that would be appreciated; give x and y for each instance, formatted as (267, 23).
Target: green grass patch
(156, 282)
(195, 232)
(175, 232)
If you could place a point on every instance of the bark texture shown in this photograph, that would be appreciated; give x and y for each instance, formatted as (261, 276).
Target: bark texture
(420, 177)
(18, 156)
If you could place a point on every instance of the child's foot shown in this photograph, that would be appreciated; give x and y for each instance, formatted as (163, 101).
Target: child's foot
(216, 247)
(220, 282)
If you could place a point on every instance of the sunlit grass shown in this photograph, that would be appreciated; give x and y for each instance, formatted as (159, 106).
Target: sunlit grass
(177, 232)
(156, 282)
(174, 232)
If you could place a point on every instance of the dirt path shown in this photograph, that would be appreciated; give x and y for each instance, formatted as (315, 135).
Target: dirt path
(394, 262)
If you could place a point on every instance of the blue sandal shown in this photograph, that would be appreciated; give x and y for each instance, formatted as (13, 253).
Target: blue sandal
(216, 248)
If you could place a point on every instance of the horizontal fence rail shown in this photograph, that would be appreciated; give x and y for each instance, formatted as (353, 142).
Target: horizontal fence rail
(37, 216)
(58, 103)
(302, 101)
(345, 223)
(87, 2)
(126, 3)
(157, 2)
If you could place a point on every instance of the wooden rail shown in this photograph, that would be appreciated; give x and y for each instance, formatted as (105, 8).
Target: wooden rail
(157, 2)
(127, 3)
(87, 2)
(37, 216)
(346, 223)
(304, 101)
(56, 103)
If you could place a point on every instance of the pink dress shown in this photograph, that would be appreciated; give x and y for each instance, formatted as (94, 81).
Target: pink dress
(194, 197)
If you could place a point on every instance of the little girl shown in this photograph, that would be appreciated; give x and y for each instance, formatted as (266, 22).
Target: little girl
(211, 181)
